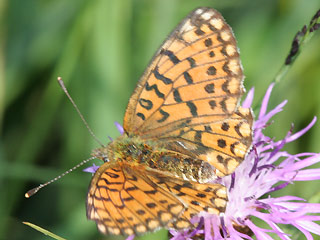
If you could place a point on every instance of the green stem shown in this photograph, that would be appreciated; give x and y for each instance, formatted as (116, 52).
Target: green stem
(299, 41)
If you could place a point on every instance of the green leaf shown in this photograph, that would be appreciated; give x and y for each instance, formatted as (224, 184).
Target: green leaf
(45, 232)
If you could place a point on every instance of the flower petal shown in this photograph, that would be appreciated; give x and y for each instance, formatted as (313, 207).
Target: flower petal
(249, 98)
(119, 127)
(265, 101)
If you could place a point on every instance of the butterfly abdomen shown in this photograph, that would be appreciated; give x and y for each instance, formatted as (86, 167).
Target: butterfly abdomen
(138, 152)
(184, 167)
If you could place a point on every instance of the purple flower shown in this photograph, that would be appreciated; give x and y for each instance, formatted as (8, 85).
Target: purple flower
(257, 176)
(249, 187)
(91, 169)
(119, 127)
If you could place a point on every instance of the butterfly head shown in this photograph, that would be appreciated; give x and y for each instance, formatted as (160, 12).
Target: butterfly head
(101, 153)
(112, 151)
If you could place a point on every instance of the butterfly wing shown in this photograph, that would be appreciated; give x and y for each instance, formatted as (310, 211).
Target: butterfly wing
(223, 143)
(125, 200)
(197, 197)
(190, 92)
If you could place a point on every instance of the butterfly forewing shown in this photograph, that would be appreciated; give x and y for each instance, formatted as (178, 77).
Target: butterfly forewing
(189, 94)
(196, 65)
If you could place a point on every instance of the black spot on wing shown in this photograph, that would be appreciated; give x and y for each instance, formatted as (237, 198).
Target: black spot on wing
(151, 192)
(225, 126)
(112, 175)
(211, 71)
(156, 90)
(233, 146)
(188, 77)
(141, 115)
(164, 114)
(173, 58)
(222, 143)
(237, 128)
(212, 104)
(177, 96)
(193, 108)
(145, 103)
(192, 62)
(151, 205)
(220, 159)
(225, 86)
(161, 77)
(209, 88)
(208, 42)
(141, 212)
(224, 105)
(196, 203)
(207, 128)
(201, 195)
(226, 68)
(197, 136)
(199, 32)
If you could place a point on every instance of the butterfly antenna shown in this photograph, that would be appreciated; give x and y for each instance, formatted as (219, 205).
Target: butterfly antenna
(61, 83)
(36, 189)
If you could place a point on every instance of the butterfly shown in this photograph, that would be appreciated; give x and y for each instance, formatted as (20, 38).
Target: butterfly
(183, 129)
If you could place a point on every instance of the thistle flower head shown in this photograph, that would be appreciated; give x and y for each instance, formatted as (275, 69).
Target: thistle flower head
(267, 168)
(252, 182)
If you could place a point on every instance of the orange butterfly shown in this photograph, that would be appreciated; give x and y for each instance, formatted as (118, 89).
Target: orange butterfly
(183, 129)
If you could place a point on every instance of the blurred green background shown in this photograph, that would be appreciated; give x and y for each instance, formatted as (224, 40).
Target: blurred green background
(100, 48)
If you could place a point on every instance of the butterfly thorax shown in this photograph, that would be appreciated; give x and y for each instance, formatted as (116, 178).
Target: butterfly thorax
(149, 154)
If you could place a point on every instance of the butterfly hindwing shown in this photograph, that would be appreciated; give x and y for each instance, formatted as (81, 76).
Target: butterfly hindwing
(126, 200)
(222, 143)
(198, 197)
